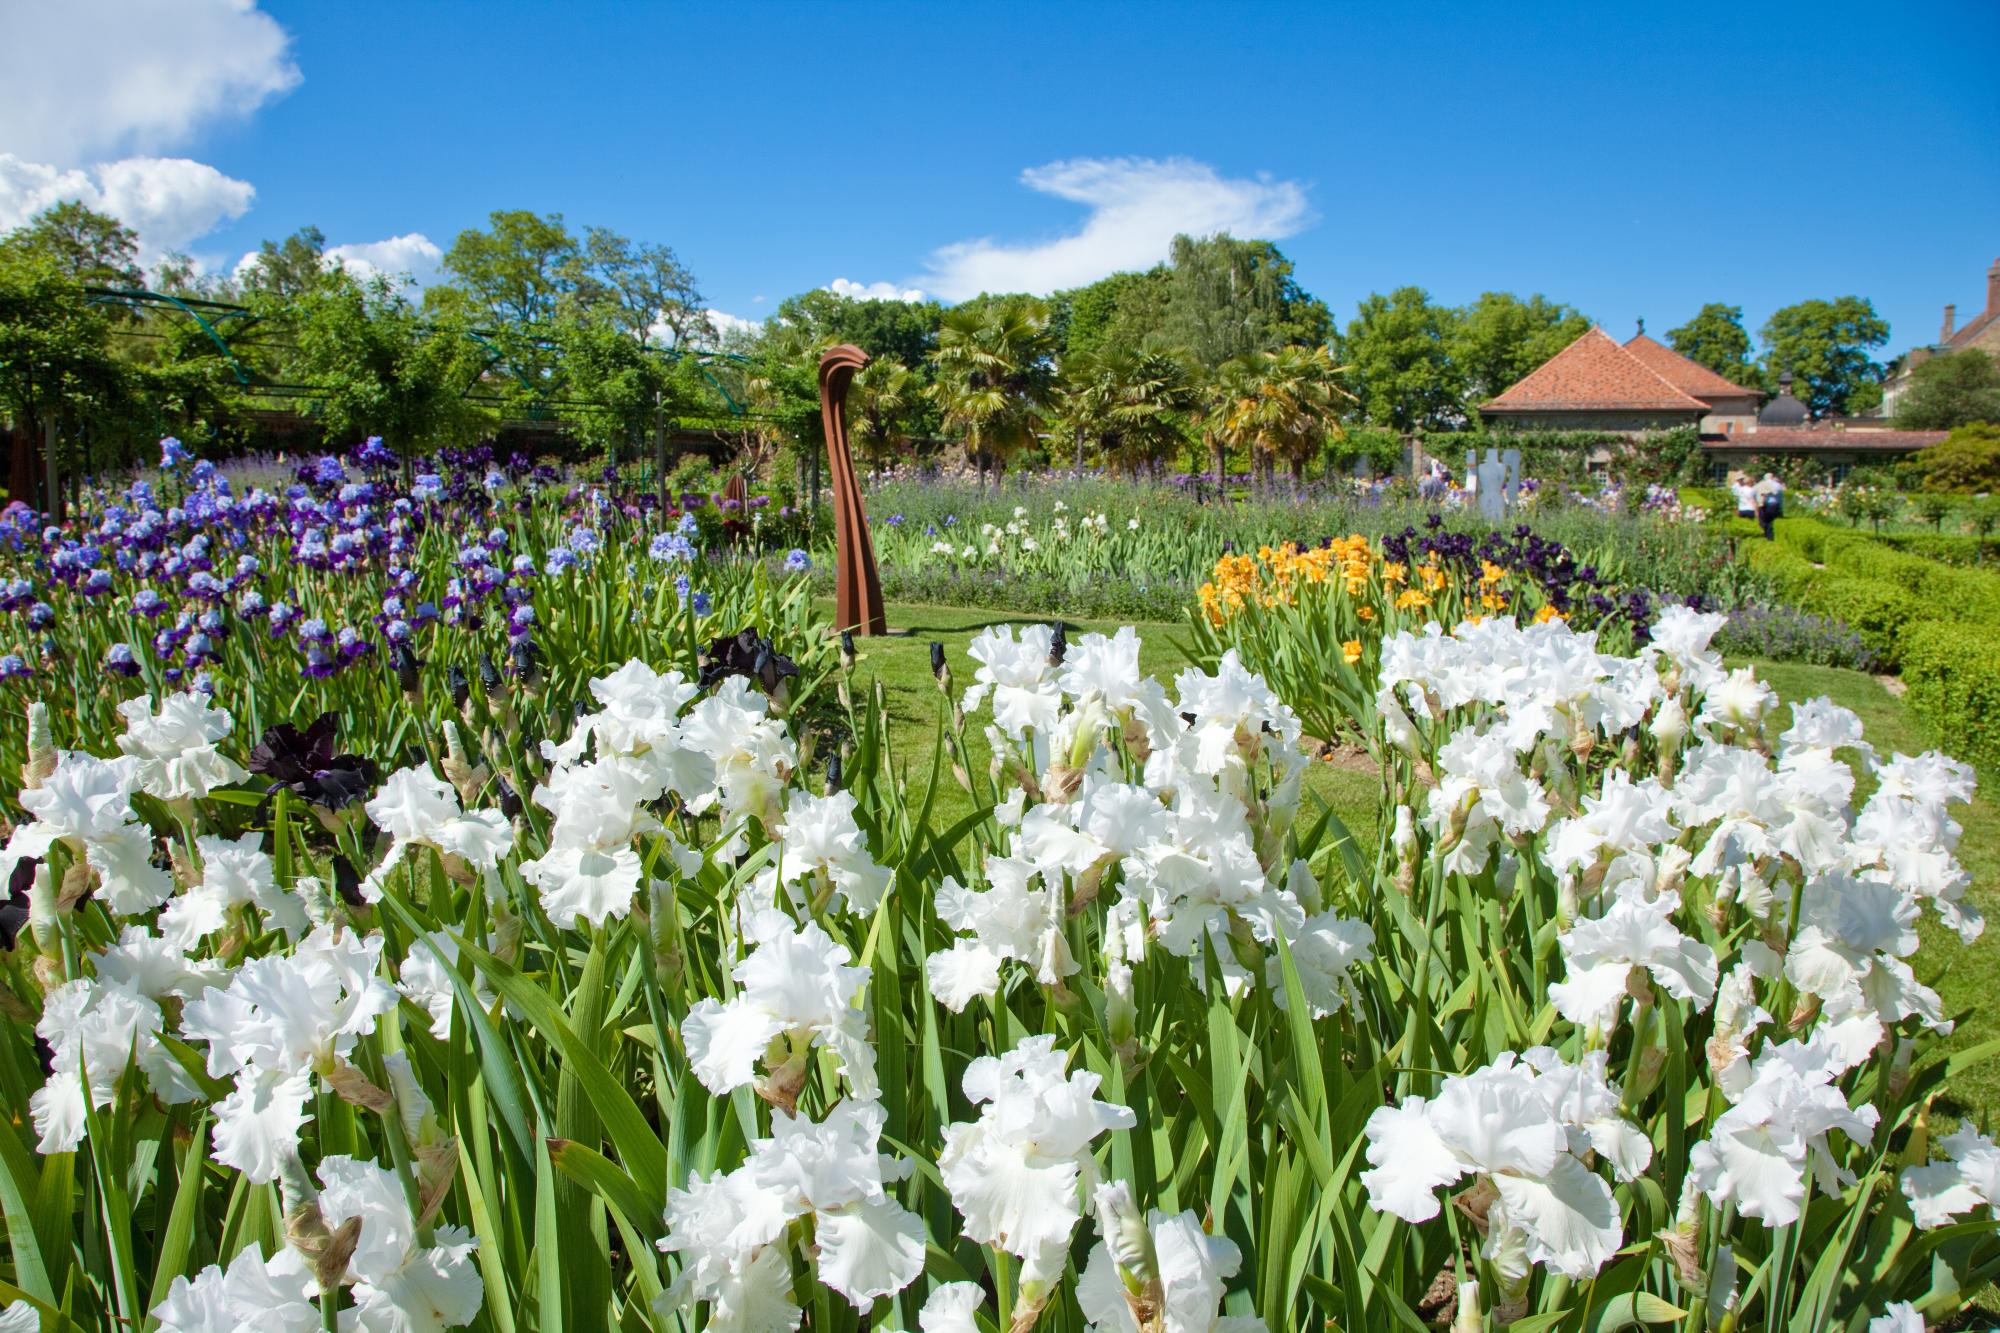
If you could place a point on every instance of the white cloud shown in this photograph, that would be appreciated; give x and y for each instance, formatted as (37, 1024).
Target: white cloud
(1137, 206)
(414, 254)
(82, 79)
(874, 291)
(169, 201)
(726, 324)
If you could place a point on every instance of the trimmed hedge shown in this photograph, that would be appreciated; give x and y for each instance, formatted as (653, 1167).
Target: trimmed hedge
(1953, 675)
(1880, 592)
(1940, 546)
(1961, 594)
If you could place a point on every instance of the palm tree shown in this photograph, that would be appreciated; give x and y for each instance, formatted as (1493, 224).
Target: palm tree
(993, 376)
(1318, 402)
(1133, 401)
(878, 406)
(1272, 403)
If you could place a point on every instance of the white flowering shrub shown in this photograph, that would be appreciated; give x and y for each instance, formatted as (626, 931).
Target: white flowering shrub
(1622, 1018)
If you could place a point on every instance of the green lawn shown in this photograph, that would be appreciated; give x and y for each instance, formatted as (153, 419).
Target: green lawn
(902, 662)
(1968, 978)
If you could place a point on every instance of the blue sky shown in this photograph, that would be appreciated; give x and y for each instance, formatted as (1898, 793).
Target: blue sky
(1631, 160)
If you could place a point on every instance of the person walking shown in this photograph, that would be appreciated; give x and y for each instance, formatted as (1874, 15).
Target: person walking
(1745, 495)
(1770, 494)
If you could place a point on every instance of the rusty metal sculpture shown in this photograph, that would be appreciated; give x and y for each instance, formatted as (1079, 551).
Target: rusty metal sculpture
(857, 587)
(735, 508)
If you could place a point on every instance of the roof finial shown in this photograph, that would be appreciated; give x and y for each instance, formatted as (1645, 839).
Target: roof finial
(1642, 324)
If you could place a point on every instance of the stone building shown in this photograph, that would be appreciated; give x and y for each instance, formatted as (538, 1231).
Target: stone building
(1981, 332)
(1641, 386)
(1731, 406)
(1836, 445)
(1633, 388)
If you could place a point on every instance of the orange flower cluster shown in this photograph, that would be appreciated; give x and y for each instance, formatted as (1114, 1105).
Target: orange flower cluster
(1276, 576)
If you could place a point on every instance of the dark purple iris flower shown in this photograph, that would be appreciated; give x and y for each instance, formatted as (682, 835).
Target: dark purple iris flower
(310, 765)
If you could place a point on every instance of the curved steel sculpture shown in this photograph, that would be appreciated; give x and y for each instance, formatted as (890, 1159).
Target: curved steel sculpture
(857, 588)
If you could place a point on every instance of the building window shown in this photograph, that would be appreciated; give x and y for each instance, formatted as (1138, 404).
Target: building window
(1839, 472)
(1718, 471)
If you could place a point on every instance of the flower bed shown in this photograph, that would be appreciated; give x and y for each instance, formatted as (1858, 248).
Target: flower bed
(680, 1028)
(342, 590)
(1097, 549)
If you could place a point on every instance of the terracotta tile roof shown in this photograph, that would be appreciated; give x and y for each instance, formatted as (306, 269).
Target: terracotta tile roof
(1690, 377)
(1594, 374)
(1808, 439)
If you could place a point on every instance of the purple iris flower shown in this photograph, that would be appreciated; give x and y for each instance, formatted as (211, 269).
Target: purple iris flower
(372, 453)
(119, 660)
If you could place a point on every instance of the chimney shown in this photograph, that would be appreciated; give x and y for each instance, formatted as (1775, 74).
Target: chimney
(1950, 323)
(1993, 289)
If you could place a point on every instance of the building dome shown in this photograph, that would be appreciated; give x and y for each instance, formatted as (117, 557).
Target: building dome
(1784, 410)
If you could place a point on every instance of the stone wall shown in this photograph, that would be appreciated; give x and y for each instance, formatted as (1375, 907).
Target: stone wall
(1623, 423)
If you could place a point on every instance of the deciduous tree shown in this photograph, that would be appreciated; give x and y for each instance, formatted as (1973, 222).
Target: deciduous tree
(91, 247)
(1716, 338)
(56, 367)
(1967, 460)
(1226, 297)
(378, 366)
(1950, 391)
(1825, 344)
(1398, 348)
(286, 269)
(1499, 338)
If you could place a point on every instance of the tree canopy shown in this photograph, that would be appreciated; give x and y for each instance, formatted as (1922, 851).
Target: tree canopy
(91, 247)
(1967, 460)
(1226, 298)
(379, 366)
(1399, 349)
(903, 330)
(1499, 338)
(1954, 390)
(1716, 338)
(1826, 346)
